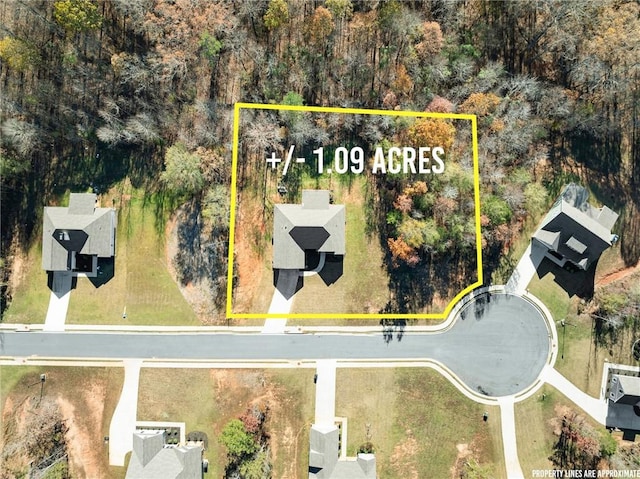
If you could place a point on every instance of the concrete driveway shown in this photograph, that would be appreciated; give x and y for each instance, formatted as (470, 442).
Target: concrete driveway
(58, 301)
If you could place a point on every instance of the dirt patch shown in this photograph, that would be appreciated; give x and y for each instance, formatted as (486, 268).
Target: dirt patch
(288, 444)
(15, 456)
(13, 271)
(17, 271)
(283, 440)
(84, 432)
(464, 453)
(75, 403)
(617, 275)
(403, 457)
(353, 196)
(31, 427)
(469, 457)
(248, 261)
(288, 425)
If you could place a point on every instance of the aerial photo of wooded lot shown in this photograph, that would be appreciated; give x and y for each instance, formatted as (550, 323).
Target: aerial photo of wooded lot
(123, 111)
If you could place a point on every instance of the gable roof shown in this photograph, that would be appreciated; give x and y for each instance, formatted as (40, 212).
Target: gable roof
(323, 450)
(624, 403)
(313, 225)
(150, 459)
(80, 227)
(624, 389)
(324, 462)
(361, 467)
(575, 229)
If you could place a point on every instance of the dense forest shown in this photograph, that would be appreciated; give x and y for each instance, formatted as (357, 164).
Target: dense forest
(96, 91)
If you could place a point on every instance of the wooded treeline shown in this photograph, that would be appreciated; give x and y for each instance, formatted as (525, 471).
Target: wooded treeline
(93, 91)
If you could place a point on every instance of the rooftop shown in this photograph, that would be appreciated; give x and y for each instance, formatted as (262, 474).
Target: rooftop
(624, 404)
(314, 225)
(575, 229)
(324, 462)
(80, 228)
(151, 458)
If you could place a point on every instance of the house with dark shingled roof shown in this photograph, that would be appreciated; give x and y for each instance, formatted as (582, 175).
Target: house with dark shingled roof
(574, 231)
(74, 237)
(623, 410)
(302, 231)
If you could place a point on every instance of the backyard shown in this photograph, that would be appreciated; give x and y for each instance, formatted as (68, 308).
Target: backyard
(207, 399)
(141, 286)
(361, 289)
(419, 424)
(85, 398)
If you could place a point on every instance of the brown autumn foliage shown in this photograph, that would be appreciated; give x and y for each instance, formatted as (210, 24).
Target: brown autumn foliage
(554, 82)
(432, 132)
(400, 250)
(481, 104)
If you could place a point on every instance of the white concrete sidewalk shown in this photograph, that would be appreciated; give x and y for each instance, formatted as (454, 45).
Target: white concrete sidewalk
(58, 302)
(596, 408)
(274, 326)
(507, 421)
(326, 392)
(525, 270)
(123, 422)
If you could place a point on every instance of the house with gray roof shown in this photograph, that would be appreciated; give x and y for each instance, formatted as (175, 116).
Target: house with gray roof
(309, 237)
(313, 226)
(624, 404)
(325, 461)
(152, 458)
(74, 237)
(574, 233)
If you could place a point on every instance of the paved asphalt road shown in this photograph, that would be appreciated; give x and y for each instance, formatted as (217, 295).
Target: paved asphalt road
(497, 347)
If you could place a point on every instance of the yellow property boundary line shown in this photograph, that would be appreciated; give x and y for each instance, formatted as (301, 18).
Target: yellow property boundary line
(356, 111)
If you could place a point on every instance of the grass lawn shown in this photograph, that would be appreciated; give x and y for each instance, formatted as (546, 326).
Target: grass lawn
(86, 398)
(31, 297)
(579, 359)
(141, 282)
(11, 375)
(207, 399)
(363, 287)
(416, 421)
(182, 395)
(534, 431)
(554, 297)
(534, 434)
